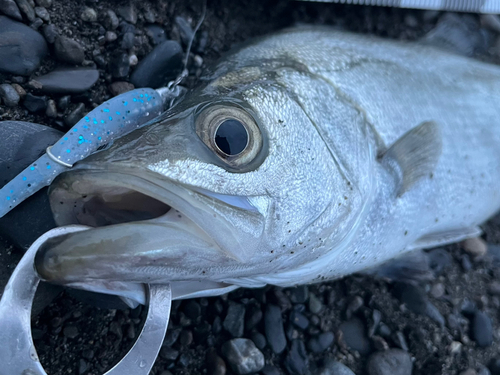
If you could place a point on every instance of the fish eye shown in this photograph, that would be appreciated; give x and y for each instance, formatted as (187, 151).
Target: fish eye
(231, 133)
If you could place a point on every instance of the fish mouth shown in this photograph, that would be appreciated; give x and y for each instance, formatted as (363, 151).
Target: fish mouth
(145, 229)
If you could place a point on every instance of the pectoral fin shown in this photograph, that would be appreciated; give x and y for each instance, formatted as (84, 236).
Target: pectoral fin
(445, 238)
(414, 155)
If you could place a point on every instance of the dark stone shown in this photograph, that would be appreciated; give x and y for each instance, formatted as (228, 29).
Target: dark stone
(315, 305)
(171, 336)
(192, 309)
(439, 260)
(215, 364)
(160, 66)
(42, 13)
(321, 342)
(201, 332)
(217, 325)
(390, 362)
(253, 317)
(64, 102)
(21, 48)
(71, 332)
(202, 43)
(9, 95)
(119, 65)
(128, 40)
(10, 8)
(185, 30)
(243, 356)
(354, 335)
(155, 33)
(466, 263)
(259, 340)
(332, 367)
(296, 362)
(75, 115)
(299, 294)
(482, 329)
(169, 353)
(50, 33)
(128, 13)
(275, 333)
(270, 370)
(494, 366)
(27, 9)
(35, 103)
(111, 22)
(68, 81)
(184, 360)
(35, 25)
(186, 337)
(234, 322)
(69, 50)
(299, 320)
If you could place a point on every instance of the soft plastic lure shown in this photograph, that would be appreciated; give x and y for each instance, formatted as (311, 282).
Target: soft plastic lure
(111, 120)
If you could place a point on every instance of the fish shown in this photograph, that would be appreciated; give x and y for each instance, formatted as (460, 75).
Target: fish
(303, 156)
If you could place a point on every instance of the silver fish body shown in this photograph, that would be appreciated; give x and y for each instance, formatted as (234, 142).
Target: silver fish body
(359, 150)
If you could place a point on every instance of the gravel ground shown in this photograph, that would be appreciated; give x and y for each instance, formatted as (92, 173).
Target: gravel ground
(446, 325)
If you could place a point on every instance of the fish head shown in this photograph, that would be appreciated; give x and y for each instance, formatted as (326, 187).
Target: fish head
(230, 185)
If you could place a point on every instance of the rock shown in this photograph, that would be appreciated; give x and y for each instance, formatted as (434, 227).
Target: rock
(482, 329)
(119, 65)
(26, 9)
(185, 30)
(299, 294)
(119, 87)
(51, 109)
(10, 8)
(35, 103)
(156, 34)
(275, 333)
(35, 25)
(355, 304)
(75, 115)
(171, 336)
(469, 371)
(483, 370)
(71, 332)
(128, 40)
(111, 21)
(169, 353)
(270, 370)
(69, 50)
(44, 3)
(332, 367)
(21, 48)
(9, 95)
(215, 364)
(437, 290)
(494, 366)
(315, 305)
(110, 36)
(243, 356)
(88, 15)
(259, 340)
(19, 89)
(192, 309)
(184, 360)
(42, 13)
(354, 335)
(128, 13)
(299, 320)
(50, 33)
(253, 317)
(68, 81)
(64, 102)
(399, 339)
(234, 323)
(296, 361)
(201, 332)
(321, 342)
(390, 362)
(186, 337)
(160, 66)
(475, 247)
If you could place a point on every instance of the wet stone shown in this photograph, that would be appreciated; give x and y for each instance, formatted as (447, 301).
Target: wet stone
(35, 25)
(275, 332)
(71, 332)
(51, 110)
(128, 13)
(156, 34)
(192, 309)
(42, 13)
(259, 340)
(475, 247)
(69, 50)
(169, 353)
(75, 115)
(26, 9)
(321, 342)
(399, 339)
(315, 305)
(50, 33)
(392, 361)
(234, 323)
(299, 294)
(354, 336)
(9, 95)
(83, 366)
(10, 8)
(160, 66)
(119, 65)
(253, 317)
(44, 3)
(184, 360)
(171, 336)
(482, 329)
(68, 81)
(296, 361)
(243, 356)
(215, 364)
(299, 320)
(128, 40)
(88, 15)
(21, 48)
(35, 103)
(332, 367)
(111, 21)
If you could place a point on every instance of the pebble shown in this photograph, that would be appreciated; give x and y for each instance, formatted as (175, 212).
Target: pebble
(332, 367)
(390, 362)
(27, 9)
(184, 360)
(120, 65)
(354, 306)
(75, 115)
(234, 323)
(35, 103)
(128, 13)
(259, 340)
(50, 33)
(399, 339)
(215, 364)
(186, 338)
(466, 263)
(482, 329)
(119, 87)
(169, 353)
(270, 370)
(455, 347)
(315, 305)
(110, 36)
(192, 309)
(82, 368)
(354, 335)
(253, 317)
(476, 247)
(437, 290)
(299, 320)
(156, 34)
(171, 336)
(299, 294)
(10, 8)
(321, 342)
(243, 356)
(88, 15)
(44, 3)
(201, 332)
(9, 95)
(69, 50)
(51, 110)
(21, 48)
(185, 30)
(35, 25)
(275, 332)
(128, 40)
(42, 13)
(296, 361)
(64, 102)
(160, 66)
(68, 81)
(111, 22)
(70, 332)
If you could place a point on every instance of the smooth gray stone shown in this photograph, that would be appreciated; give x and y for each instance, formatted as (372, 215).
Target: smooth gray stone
(68, 81)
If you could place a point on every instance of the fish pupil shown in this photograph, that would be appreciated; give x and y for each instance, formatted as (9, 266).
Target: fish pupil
(231, 137)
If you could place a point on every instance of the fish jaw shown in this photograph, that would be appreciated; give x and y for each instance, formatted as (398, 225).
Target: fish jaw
(178, 233)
